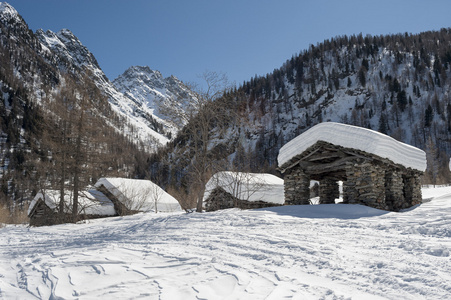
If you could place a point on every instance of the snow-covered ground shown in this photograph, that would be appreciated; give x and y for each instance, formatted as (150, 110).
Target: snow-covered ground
(290, 252)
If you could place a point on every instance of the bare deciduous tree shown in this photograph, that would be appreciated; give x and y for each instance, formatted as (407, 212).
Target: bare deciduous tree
(208, 118)
(156, 193)
(75, 135)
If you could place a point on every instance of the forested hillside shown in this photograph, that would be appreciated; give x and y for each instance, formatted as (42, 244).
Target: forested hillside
(395, 84)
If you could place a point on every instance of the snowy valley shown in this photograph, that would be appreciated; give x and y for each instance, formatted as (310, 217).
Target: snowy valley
(65, 126)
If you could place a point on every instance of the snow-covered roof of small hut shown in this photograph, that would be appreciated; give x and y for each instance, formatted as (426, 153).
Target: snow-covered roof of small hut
(248, 186)
(139, 194)
(354, 137)
(91, 202)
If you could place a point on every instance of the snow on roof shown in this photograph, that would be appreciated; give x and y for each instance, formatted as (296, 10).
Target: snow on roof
(90, 202)
(358, 138)
(248, 186)
(140, 195)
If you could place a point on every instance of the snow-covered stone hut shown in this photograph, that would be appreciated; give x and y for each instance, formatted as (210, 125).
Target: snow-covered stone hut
(376, 170)
(242, 190)
(135, 195)
(44, 208)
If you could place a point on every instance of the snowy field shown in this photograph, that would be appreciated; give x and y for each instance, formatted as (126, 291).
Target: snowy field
(291, 252)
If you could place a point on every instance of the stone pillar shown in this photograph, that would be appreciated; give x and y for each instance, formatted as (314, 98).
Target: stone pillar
(394, 190)
(328, 191)
(412, 189)
(296, 187)
(365, 185)
(349, 190)
(372, 186)
(417, 197)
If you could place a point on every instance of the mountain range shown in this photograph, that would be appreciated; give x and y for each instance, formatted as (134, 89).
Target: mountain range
(139, 94)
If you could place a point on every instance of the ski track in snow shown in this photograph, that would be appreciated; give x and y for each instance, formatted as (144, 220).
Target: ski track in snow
(275, 253)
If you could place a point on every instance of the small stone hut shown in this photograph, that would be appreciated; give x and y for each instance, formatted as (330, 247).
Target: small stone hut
(44, 208)
(242, 190)
(376, 170)
(136, 195)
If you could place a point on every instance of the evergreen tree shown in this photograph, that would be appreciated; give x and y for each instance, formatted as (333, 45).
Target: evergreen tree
(428, 116)
(365, 64)
(433, 165)
(383, 128)
(402, 100)
(362, 77)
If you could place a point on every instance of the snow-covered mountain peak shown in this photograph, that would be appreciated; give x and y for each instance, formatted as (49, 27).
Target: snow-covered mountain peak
(143, 71)
(150, 90)
(10, 18)
(65, 44)
(145, 75)
(66, 53)
(7, 12)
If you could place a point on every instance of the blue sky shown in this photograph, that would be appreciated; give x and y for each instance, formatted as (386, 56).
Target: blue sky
(239, 38)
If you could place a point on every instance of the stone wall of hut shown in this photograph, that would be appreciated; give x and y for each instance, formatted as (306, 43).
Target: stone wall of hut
(372, 183)
(220, 199)
(42, 215)
(296, 187)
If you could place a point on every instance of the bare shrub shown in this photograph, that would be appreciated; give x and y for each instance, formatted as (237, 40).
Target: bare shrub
(18, 216)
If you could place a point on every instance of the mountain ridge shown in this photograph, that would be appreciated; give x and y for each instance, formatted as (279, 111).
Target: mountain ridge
(149, 89)
(72, 53)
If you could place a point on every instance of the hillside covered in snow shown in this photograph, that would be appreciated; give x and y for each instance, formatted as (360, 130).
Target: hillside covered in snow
(397, 84)
(334, 251)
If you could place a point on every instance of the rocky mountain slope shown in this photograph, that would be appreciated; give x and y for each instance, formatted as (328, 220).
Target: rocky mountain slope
(72, 55)
(165, 98)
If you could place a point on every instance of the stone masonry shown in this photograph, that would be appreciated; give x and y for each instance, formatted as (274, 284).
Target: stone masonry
(367, 179)
(296, 187)
(328, 191)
